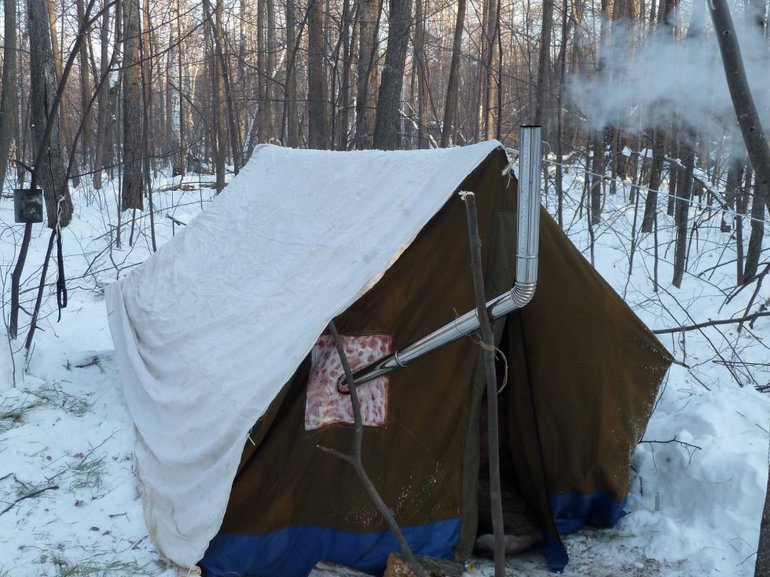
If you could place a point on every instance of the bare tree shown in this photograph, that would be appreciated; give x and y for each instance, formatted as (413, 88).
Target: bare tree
(543, 66)
(762, 565)
(750, 124)
(63, 123)
(103, 114)
(681, 211)
(290, 92)
(420, 79)
(265, 19)
(759, 154)
(218, 135)
(85, 89)
(49, 171)
(48, 168)
(387, 129)
(133, 148)
(368, 21)
(319, 129)
(450, 105)
(8, 89)
(342, 124)
(488, 40)
(656, 174)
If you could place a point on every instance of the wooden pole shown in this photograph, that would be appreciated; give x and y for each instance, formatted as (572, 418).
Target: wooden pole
(488, 356)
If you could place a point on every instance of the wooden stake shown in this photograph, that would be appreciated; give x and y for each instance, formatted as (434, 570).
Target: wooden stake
(488, 355)
(357, 462)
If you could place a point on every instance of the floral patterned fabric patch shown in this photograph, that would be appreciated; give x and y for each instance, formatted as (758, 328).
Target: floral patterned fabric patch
(325, 404)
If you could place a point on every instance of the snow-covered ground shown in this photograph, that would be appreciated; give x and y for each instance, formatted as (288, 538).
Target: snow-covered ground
(68, 506)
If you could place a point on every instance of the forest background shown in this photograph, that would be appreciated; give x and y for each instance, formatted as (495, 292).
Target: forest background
(126, 95)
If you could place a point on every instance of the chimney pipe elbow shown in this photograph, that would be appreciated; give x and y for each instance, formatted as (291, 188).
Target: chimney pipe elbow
(522, 294)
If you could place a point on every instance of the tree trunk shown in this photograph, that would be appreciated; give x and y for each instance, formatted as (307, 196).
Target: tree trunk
(290, 94)
(488, 40)
(754, 249)
(343, 125)
(749, 122)
(262, 131)
(272, 46)
(114, 140)
(732, 186)
(452, 93)
(182, 136)
(49, 172)
(149, 133)
(48, 169)
(656, 173)
(673, 181)
(133, 183)
(559, 176)
(104, 99)
(420, 68)
(741, 200)
(597, 177)
(318, 117)
(218, 93)
(8, 89)
(233, 121)
(544, 62)
(173, 94)
(85, 92)
(368, 20)
(57, 64)
(681, 213)
(762, 566)
(387, 129)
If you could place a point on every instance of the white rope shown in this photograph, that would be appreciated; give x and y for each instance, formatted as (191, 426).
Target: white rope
(58, 214)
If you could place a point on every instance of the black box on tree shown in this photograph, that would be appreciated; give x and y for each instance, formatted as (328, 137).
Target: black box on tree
(28, 204)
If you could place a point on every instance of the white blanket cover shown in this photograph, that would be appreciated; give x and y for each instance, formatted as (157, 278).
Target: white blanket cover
(209, 329)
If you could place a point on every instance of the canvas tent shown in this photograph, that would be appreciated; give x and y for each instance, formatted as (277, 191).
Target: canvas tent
(228, 377)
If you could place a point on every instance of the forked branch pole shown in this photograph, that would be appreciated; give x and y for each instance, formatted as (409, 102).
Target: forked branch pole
(488, 355)
(356, 461)
(490, 374)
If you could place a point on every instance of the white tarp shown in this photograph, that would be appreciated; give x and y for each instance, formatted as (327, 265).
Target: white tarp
(209, 329)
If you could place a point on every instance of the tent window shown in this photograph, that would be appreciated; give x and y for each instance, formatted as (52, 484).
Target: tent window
(325, 405)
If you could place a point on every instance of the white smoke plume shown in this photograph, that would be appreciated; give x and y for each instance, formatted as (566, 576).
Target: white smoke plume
(644, 87)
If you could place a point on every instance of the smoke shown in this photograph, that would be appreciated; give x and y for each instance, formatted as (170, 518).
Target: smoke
(644, 82)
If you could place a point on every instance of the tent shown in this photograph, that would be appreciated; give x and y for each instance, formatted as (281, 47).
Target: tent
(228, 377)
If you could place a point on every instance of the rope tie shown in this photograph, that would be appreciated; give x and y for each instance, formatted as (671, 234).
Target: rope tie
(476, 339)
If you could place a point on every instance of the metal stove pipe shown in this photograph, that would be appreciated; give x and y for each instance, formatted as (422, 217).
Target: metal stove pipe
(528, 235)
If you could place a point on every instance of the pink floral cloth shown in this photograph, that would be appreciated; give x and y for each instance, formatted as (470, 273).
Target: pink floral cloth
(325, 404)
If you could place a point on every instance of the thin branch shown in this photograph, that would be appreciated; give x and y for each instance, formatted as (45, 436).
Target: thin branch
(712, 323)
(356, 461)
(28, 496)
(674, 440)
(759, 278)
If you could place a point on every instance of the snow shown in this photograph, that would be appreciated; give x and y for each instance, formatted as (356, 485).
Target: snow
(699, 476)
